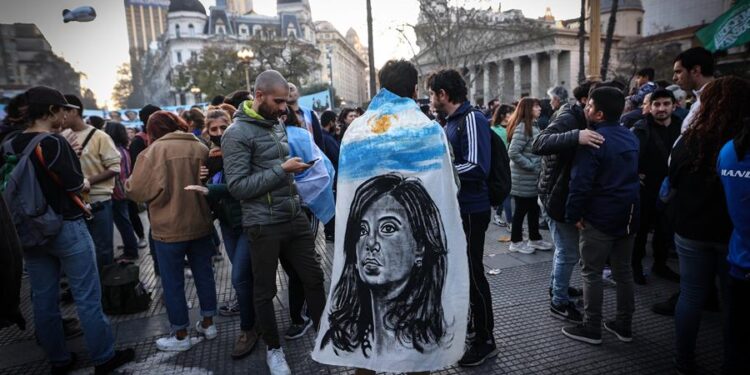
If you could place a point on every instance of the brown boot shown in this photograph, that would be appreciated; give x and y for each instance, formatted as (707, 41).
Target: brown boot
(245, 343)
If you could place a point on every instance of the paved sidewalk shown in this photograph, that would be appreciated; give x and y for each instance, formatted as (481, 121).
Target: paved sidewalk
(529, 339)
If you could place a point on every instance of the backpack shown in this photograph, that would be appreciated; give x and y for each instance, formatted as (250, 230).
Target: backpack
(122, 290)
(35, 221)
(498, 181)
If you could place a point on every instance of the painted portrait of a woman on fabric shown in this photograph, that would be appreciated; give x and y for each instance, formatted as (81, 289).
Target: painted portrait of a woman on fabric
(398, 300)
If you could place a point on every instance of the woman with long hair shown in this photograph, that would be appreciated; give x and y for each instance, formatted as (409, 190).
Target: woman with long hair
(702, 224)
(35, 117)
(525, 167)
(499, 125)
(346, 116)
(734, 163)
(120, 209)
(389, 295)
(181, 223)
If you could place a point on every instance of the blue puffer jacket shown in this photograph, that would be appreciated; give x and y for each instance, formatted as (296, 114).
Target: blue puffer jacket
(604, 183)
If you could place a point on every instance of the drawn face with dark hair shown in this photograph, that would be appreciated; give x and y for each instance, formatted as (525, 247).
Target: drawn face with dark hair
(386, 249)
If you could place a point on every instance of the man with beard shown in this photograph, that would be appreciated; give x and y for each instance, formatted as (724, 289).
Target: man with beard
(656, 134)
(309, 118)
(260, 173)
(693, 70)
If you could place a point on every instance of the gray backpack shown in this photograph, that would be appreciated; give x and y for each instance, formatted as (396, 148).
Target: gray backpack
(36, 222)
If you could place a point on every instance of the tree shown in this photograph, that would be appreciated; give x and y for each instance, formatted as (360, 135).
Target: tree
(123, 88)
(458, 36)
(582, 43)
(218, 70)
(48, 69)
(608, 40)
(634, 56)
(88, 99)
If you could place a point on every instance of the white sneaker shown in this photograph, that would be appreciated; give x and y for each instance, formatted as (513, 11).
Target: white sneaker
(172, 344)
(520, 247)
(497, 220)
(277, 362)
(541, 245)
(209, 333)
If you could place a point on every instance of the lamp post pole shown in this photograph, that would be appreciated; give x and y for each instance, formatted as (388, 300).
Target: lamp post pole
(246, 55)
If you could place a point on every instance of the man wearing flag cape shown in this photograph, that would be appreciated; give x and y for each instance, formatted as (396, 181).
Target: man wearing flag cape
(398, 300)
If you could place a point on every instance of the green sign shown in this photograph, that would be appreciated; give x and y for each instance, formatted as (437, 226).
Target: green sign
(729, 30)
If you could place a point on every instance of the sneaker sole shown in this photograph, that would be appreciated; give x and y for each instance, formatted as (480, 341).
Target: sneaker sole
(304, 330)
(231, 313)
(619, 337)
(493, 353)
(165, 349)
(564, 318)
(582, 339)
(200, 330)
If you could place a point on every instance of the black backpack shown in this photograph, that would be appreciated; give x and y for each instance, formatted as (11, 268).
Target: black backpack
(122, 290)
(498, 181)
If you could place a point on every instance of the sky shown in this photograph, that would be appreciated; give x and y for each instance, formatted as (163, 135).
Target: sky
(97, 48)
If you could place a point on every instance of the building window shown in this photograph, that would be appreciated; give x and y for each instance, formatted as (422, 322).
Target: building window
(177, 30)
(639, 26)
(191, 30)
(221, 29)
(243, 30)
(194, 55)
(179, 57)
(257, 30)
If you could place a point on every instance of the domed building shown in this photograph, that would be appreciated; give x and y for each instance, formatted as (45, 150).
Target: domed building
(189, 28)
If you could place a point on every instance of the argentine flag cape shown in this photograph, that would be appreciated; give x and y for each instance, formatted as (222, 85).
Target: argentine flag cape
(395, 138)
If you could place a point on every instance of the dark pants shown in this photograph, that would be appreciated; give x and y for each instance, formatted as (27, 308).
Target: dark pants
(296, 289)
(475, 226)
(238, 250)
(596, 247)
(121, 216)
(738, 327)
(135, 219)
(525, 206)
(294, 242)
(651, 218)
(102, 229)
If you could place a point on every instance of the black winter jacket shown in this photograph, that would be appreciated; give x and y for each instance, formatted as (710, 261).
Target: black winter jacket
(557, 144)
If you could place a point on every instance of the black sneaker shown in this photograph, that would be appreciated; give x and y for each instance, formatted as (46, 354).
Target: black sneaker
(566, 312)
(623, 334)
(66, 368)
(120, 358)
(477, 353)
(296, 331)
(667, 307)
(583, 333)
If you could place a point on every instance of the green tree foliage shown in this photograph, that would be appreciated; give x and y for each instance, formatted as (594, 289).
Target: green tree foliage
(218, 70)
(123, 89)
(88, 99)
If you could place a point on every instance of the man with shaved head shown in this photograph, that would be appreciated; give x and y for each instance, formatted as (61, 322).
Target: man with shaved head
(309, 118)
(260, 173)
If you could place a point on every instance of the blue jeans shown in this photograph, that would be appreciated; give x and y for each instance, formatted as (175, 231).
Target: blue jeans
(121, 216)
(102, 231)
(507, 208)
(172, 268)
(238, 249)
(565, 237)
(700, 264)
(71, 252)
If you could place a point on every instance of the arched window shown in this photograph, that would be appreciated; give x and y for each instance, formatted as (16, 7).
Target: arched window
(244, 30)
(191, 30)
(177, 30)
(257, 30)
(220, 28)
(639, 27)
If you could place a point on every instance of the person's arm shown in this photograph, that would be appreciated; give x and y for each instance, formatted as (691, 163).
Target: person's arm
(62, 160)
(475, 144)
(110, 157)
(515, 150)
(146, 181)
(238, 155)
(559, 136)
(585, 165)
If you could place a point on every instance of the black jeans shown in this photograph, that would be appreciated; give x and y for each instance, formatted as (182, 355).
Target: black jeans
(135, 219)
(525, 206)
(480, 298)
(651, 218)
(296, 289)
(737, 327)
(294, 242)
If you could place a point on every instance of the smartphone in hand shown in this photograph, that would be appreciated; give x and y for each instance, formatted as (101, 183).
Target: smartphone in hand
(312, 162)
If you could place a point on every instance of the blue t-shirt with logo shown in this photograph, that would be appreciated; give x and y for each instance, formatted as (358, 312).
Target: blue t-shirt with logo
(735, 176)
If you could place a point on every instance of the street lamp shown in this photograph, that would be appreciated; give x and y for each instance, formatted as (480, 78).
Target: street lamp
(196, 91)
(246, 55)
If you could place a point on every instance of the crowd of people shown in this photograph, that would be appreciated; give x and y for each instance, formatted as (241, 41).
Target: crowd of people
(603, 171)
